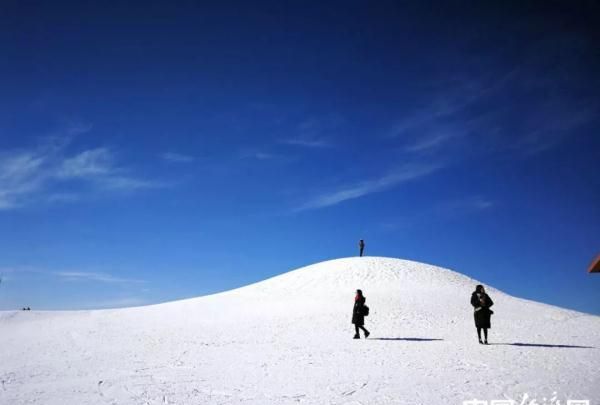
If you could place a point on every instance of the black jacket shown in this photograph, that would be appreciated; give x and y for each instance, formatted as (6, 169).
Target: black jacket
(482, 303)
(357, 313)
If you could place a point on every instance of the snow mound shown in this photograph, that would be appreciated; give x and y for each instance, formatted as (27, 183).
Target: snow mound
(288, 339)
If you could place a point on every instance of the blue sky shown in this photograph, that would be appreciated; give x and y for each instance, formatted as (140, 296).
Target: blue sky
(152, 151)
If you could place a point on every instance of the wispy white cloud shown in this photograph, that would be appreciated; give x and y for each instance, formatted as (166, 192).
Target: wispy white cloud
(552, 124)
(308, 142)
(449, 99)
(78, 127)
(429, 143)
(38, 174)
(95, 277)
(314, 133)
(392, 179)
(464, 205)
(525, 110)
(99, 166)
(63, 197)
(20, 175)
(446, 210)
(263, 155)
(258, 154)
(89, 163)
(21, 269)
(100, 277)
(129, 184)
(177, 157)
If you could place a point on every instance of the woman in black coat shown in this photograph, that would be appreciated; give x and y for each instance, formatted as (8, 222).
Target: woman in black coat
(358, 314)
(482, 303)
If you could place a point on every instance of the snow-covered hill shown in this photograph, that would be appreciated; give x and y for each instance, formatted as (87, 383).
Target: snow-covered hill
(288, 340)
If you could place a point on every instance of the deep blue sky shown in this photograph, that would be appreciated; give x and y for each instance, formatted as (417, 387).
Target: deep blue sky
(162, 150)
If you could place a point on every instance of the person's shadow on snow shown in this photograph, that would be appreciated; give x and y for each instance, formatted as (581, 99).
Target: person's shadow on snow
(409, 339)
(543, 345)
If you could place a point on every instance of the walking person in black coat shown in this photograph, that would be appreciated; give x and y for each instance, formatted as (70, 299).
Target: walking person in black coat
(358, 314)
(482, 303)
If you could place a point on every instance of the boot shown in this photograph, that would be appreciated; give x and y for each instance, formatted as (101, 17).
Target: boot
(367, 333)
(356, 336)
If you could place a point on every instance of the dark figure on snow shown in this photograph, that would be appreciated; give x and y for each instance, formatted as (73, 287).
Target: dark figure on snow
(358, 314)
(361, 246)
(482, 303)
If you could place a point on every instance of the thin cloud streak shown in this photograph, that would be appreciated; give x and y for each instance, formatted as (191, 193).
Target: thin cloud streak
(33, 175)
(314, 133)
(464, 206)
(100, 277)
(451, 99)
(308, 143)
(97, 277)
(449, 210)
(175, 157)
(257, 154)
(89, 163)
(553, 124)
(429, 143)
(401, 175)
(75, 128)
(478, 108)
(20, 175)
(263, 156)
(128, 184)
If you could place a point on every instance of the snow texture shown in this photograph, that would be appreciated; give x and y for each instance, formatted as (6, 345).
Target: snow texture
(288, 340)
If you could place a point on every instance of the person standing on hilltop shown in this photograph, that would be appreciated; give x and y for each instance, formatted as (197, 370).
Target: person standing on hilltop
(361, 246)
(482, 303)
(358, 314)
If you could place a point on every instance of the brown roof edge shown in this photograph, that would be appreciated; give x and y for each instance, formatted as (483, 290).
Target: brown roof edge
(595, 266)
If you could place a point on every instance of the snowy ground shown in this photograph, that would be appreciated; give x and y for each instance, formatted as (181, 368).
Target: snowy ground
(288, 340)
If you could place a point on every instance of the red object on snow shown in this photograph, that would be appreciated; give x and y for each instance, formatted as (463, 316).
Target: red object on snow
(595, 266)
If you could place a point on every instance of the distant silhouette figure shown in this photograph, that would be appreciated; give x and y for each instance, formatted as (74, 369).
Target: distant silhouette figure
(358, 314)
(482, 303)
(361, 245)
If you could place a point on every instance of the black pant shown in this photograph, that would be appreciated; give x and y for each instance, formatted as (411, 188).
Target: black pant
(484, 333)
(361, 250)
(361, 327)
